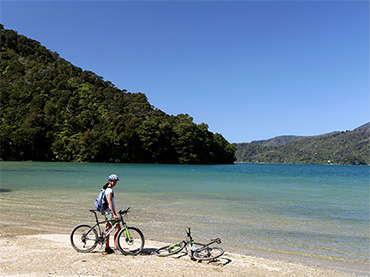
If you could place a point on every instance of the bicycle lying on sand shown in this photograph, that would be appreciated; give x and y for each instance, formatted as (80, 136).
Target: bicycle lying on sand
(197, 251)
(130, 240)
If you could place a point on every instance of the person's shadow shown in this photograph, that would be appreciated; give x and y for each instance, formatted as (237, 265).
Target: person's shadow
(144, 252)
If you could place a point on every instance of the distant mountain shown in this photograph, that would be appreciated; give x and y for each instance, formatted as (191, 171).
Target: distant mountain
(364, 128)
(278, 141)
(282, 140)
(347, 147)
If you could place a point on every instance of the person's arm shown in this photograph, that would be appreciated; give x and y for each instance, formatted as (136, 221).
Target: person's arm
(110, 204)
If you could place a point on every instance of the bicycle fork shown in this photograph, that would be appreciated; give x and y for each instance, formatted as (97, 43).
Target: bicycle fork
(128, 237)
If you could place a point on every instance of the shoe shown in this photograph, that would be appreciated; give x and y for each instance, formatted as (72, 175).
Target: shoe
(109, 250)
(117, 252)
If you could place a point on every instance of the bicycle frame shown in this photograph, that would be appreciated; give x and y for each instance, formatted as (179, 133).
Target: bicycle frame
(129, 240)
(103, 236)
(191, 242)
(177, 244)
(196, 251)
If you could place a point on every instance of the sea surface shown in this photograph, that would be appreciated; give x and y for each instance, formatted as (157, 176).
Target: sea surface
(314, 214)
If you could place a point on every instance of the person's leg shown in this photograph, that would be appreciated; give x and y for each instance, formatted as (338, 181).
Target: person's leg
(108, 226)
(118, 228)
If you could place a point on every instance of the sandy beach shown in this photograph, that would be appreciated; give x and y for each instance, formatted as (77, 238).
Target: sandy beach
(52, 255)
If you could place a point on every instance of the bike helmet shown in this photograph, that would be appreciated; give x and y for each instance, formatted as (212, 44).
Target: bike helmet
(113, 177)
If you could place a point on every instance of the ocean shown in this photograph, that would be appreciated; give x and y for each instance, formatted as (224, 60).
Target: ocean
(314, 214)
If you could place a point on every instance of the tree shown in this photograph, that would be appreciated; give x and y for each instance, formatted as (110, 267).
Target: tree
(52, 110)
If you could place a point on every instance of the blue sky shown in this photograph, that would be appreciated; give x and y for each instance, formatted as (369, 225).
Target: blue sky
(251, 70)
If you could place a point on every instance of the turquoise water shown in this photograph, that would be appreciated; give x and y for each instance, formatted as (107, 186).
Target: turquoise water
(316, 214)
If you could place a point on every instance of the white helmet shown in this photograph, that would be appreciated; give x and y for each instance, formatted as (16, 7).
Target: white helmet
(113, 177)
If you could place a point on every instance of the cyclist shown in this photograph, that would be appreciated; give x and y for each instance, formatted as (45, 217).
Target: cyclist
(110, 212)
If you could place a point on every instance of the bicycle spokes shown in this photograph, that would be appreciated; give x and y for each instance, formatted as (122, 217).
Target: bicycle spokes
(197, 251)
(130, 240)
(84, 238)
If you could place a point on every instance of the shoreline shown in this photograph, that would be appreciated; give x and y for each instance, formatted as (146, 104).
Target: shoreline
(52, 254)
(138, 163)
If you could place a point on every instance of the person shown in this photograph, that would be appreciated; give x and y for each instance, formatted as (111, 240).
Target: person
(110, 212)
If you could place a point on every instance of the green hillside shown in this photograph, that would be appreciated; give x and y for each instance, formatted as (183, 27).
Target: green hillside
(277, 141)
(350, 147)
(52, 110)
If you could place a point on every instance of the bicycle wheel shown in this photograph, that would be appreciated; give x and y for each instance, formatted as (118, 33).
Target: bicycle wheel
(170, 249)
(84, 238)
(130, 241)
(208, 253)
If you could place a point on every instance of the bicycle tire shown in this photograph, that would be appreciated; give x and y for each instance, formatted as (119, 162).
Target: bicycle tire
(82, 243)
(208, 253)
(170, 249)
(130, 242)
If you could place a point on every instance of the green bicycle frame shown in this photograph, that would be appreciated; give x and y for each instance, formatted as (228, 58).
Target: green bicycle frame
(176, 244)
(127, 234)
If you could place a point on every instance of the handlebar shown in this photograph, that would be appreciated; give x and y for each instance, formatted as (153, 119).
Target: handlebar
(188, 233)
(124, 211)
(218, 240)
(120, 212)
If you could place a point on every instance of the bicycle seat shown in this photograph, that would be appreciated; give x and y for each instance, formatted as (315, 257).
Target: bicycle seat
(93, 211)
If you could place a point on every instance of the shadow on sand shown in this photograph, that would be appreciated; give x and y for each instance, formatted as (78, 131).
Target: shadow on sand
(221, 261)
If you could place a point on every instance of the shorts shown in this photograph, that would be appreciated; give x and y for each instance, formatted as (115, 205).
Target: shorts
(109, 216)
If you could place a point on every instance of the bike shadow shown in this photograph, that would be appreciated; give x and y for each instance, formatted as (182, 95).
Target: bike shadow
(147, 251)
(221, 261)
(144, 252)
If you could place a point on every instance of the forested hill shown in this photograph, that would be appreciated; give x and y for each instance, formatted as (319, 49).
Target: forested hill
(278, 141)
(349, 147)
(52, 110)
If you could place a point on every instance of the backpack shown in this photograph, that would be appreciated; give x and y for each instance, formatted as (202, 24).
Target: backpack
(101, 202)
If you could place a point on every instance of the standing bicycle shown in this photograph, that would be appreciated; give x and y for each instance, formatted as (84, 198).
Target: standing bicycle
(130, 240)
(196, 250)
